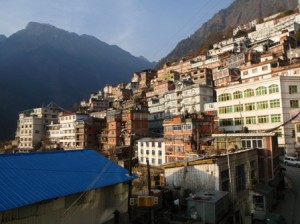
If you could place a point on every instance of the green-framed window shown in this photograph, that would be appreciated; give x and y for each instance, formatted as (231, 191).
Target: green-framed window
(238, 108)
(226, 122)
(261, 91)
(294, 103)
(251, 120)
(263, 119)
(237, 95)
(238, 121)
(224, 97)
(275, 118)
(248, 93)
(274, 103)
(249, 106)
(273, 89)
(262, 105)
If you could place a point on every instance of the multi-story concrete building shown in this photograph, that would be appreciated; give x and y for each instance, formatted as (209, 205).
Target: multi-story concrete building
(146, 77)
(271, 27)
(181, 66)
(199, 76)
(87, 131)
(110, 136)
(67, 121)
(226, 76)
(32, 123)
(231, 172)
(134, 124)
(262, 102)
(156, 104)
(183, 135)
(188, 97)
(266, 172)
(151, 149)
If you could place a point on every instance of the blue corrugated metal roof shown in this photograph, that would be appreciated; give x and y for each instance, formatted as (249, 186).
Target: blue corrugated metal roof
(27, 178)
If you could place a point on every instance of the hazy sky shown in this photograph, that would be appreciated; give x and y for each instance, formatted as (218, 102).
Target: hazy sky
(150, 28)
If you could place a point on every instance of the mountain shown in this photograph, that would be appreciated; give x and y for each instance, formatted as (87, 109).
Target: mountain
(239, 12)
(42, 63)
(2, 37)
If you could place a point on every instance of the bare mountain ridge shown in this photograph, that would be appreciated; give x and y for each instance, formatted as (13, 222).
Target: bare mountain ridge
(239, 12)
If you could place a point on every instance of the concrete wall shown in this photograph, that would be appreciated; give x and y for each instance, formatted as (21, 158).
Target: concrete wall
(96, 206)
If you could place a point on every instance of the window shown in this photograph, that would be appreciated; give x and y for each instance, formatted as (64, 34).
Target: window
(226, 122)
(159, 144)
(225, 110)
(274, 103)
(245, 72)
(225, 180)
(224, 97)
(249, 106)
(179, 149)
(240, 180)
(153, 144)
(262, 105)
(159, 161)
(294, 103)
(275, 118)
(252, 142)
(153, 161)
(273, 89)
(298, 128)
(147, 152)
(264, 68)
(238, 108)
(142, 159)
(250, 120)
(261, 91)
(153, 152)
(258, 202)
(254, 70)
(177, 127)
(142, 151)
(263, 119)
(237, 95)
(293, 89)
(159, 152)
(248, 93)
(169, 128)
(187, 127)
(238, 121)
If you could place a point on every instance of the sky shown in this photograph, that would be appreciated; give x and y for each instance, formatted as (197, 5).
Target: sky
(149, 28)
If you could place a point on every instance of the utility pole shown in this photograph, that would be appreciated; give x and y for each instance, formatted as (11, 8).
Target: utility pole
(130, 175)
(149, 192)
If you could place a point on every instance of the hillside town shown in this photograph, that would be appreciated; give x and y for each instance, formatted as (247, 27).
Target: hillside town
(201, 137)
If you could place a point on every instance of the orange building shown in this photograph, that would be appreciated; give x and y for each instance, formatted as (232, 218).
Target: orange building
(183, 135)
(134, 122)
(110, 136)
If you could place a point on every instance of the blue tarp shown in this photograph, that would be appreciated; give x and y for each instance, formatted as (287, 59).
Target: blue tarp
(27, 178)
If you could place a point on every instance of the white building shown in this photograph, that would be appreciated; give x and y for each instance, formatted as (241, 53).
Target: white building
(189, 98)
(272, 28)
(32, 123)
(67, 132)
(262, 102)
(152, 149)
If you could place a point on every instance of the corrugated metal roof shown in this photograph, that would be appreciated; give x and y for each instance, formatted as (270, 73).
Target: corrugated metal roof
(27, 178)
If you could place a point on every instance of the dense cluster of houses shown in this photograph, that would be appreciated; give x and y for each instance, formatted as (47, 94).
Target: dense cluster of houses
(214, 122)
